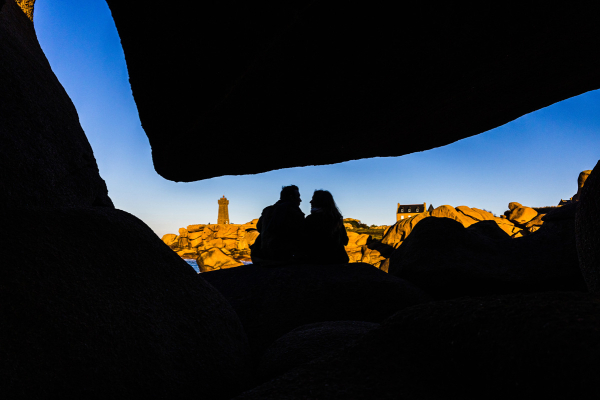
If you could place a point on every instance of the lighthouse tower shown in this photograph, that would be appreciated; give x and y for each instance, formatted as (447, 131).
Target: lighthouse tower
(223, 211)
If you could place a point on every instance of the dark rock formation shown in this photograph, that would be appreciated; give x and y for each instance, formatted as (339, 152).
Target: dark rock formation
(277, 76)
(448, 260)
(309, 342)
(89, 316)
(489, 230)
(542, 345)
(45, 158)
(587, 226)
(272, 301)
(85, 312)
(26, 6)
(94, 316)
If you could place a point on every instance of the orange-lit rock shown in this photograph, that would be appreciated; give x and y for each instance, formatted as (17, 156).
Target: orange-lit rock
(169, 239)
(215, 259)
(218, 243)
(357, 239)
(195, 228)
(395, 235)
(512, 205)
(27, 7)
(581, 179)
(522, 215)
(535, 223)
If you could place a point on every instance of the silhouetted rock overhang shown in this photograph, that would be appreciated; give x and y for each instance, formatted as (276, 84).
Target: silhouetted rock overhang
(285, 84)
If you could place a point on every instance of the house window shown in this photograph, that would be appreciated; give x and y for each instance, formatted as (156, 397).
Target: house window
(402, 210)
(402, 217)
(417, 210)
(409, 210)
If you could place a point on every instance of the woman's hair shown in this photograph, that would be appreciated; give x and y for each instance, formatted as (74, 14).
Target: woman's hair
(324, 200)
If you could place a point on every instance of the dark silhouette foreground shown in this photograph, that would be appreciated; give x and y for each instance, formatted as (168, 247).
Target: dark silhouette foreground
(279, 228)
(324, 234)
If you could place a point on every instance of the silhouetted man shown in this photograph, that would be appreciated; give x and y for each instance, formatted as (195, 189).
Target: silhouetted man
(279, 228)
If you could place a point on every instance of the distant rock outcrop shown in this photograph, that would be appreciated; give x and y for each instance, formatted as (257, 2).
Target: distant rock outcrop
(448, 260)
(214, 246)
(234, 241)
(519, 223)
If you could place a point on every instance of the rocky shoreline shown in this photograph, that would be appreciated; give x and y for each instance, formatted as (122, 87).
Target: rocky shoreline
(222, 246)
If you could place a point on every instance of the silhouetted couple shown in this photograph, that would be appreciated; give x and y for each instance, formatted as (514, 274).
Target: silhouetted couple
(285, 236)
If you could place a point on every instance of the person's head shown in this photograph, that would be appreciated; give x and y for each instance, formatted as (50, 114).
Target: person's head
(323, 200)
(290, 193)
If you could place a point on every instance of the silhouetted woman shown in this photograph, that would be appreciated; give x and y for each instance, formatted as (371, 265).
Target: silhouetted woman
(325, 235)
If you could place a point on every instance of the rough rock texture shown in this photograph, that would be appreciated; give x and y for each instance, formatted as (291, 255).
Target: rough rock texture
(214, 246)
(215, 259)
(272, 301)
(45, 158)
(86, 316)
(330, 74)
(513, 204)
(522, 215)
(466, 216)
(26, 6)
(218, 246)
(170, 239)
(362, 248)
(447, 260)
(542, 345)
(587, 226)
(309, 342)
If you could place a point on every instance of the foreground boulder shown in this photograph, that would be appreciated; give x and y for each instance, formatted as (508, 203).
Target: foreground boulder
(95, 305)
(309, 342)
(87, 316)
(448, 260)
(45, 158)
(588, 229)
(542, 345)
(272, 301)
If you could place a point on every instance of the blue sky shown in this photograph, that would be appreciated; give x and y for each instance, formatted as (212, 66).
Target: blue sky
(534, 160)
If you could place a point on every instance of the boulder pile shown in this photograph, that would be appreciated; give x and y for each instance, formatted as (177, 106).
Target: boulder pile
(214, 246)
(517, 222)
(218, 246)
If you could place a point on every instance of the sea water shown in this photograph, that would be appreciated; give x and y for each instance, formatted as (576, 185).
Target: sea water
(194, 264)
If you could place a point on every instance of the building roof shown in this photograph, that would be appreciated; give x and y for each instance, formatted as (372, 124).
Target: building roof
(411, 206)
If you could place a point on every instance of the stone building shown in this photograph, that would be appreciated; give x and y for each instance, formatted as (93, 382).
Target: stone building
(223, 218)
(408, 210)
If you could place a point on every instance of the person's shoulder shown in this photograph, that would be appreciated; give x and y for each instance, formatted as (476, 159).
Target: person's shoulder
(267, 209)
(318, 218)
